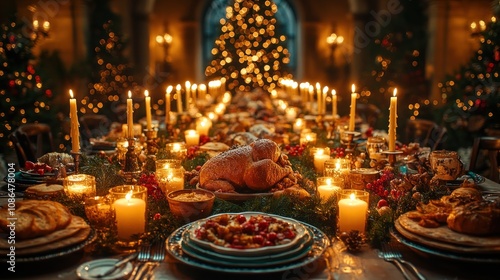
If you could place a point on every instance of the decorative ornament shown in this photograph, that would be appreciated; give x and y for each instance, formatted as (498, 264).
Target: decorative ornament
(353, 240)
(497, 53)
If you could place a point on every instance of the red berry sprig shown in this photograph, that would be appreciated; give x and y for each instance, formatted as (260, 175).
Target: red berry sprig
(296, 150)
(149, 181)
(381, 186)
(338, 152)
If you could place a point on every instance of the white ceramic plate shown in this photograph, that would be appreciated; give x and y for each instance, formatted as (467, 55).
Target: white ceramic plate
(89, 270)
(300, 228)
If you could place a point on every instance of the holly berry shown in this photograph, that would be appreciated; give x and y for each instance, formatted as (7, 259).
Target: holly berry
(382, 203)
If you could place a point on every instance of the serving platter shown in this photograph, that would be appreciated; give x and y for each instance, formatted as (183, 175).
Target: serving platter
(301, 231)
(431, 251)
(319, 244)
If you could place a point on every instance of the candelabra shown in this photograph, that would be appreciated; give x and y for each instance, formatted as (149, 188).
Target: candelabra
(76, 159)
(151, 141)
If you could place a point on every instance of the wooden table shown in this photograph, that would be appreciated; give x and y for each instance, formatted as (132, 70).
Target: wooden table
(336, 263)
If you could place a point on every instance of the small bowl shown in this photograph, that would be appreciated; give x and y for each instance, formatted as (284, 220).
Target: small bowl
(191, 204)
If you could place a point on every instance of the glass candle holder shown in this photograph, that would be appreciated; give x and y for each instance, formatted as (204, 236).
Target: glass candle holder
(99, 211)
(328, 187)
(203, 125)
(79, 185)
(176, 150)
(170, 175)
(375, 146)
(192, 137)
(129, 206)
(353, 209)
(298, 125)
(358, 178)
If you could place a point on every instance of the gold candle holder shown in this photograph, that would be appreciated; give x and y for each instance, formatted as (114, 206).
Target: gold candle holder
(79, 185)
(99, 212)
(176, 150)
(151, 141)
(170, 175)
(131, 168)
(328, 186)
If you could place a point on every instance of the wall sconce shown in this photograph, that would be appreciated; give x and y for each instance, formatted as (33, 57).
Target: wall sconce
(42, 29)
(333, 40)
(164, 40)
(477, 28)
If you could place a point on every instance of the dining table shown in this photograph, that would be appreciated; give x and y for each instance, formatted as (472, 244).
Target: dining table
(335, 262)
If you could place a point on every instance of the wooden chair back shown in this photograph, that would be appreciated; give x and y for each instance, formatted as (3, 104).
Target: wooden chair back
(35, 139)
(425, 132)
(491, 145)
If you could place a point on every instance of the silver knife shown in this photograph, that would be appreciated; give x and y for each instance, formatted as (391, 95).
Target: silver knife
(117, 265)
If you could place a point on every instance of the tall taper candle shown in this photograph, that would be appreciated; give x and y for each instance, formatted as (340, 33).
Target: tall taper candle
(188, 94)
(323, 100)
(179, 101)
(73, 115)
(167, 105)
(334, 103)
(393, 115)
(352, 115)
(130, 115)
(148, 109)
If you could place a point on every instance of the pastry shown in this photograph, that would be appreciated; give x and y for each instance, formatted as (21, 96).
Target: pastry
(476, 218)
(43, 191)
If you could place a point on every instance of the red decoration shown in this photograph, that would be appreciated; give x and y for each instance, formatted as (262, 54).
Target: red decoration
(497, 54)
(48, 93)
(31, 69)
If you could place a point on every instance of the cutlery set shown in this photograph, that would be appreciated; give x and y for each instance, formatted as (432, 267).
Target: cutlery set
(391, 254)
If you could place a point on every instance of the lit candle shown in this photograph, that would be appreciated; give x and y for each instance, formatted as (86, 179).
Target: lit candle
(170, 179)
(352, 116)
(192, 137)
(78, 185)
(203, 125)
(130, 116)
(202, 92)
(188, 94)
(393, 115)
(318, 97)
(334, 103)
(320, 156)
(148, 110)
(167, 105)
(194, 87)
(326, 188)
(323, 100)
(298, 125)
(179, 99)
(75, 132)
(352, 214)
(130, 216)
(307, 138)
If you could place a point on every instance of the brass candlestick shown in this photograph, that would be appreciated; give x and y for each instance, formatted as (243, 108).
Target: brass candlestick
(151, 141)
(131, 168)
(391, 156)
(348, 140)
(76, 159)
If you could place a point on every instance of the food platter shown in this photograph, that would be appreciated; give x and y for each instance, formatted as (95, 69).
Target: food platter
(428, 250)
(303, 254)
(300, 228)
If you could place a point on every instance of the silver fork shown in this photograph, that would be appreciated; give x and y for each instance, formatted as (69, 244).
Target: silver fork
(390, 253)
(158, 255)
(142, 257)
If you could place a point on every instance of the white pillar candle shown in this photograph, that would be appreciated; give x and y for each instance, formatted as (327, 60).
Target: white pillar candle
(187, 85)
(393, 115)
(203, 125)
(327, 188)
(352, 214)
(318, 98)
(75, 132)
(298, 125)
(147, 100)
(320, 156)
(130, 217)
(194, 87)
(323, 100)
(352, 115)
(192, 137)
(130, 116)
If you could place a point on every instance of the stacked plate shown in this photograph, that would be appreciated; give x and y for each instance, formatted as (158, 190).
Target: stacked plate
(308, 245)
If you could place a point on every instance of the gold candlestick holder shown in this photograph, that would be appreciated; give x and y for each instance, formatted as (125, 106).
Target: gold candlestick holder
(131, 168)
(347, 139)
(76, 159)
(151, 141)
(391, 156)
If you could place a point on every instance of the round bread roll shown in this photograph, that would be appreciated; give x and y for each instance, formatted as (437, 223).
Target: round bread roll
(43, 191)
(476, 218)
(462, 196)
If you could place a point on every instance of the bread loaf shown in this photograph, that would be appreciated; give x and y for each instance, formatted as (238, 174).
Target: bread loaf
(476, 218)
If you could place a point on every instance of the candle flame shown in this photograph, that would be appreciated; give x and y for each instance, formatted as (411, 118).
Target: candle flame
(325, 90)
(334, 92)
(169, 89)
(320, 152)
(188, 84)
(128, 196)
(146, 93)
(129, 94)
(353, 88)
(194, 86)
(177, 147)
(178, 87)
(318, 86)
(328, 181)
(395, 92)
(71, 93)
(352, 196)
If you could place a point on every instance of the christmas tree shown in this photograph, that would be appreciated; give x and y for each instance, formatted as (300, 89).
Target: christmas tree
(111, 75)
(398, 60)
(24, 97)
(472, 94)
(250, 51)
